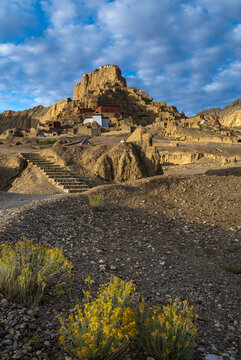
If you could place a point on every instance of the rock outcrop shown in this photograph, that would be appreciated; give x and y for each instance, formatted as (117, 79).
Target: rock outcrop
(229, 116)
(96, 81)
(121, 162)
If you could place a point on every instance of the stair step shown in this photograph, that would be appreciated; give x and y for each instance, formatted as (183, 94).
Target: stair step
(69, 183)
(62, 178)
(52, 167)
(73, 186)
(42, 163)
(56, 172)
(72, 191)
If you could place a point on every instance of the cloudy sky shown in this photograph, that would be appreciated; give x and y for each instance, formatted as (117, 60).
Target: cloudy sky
(187, 53)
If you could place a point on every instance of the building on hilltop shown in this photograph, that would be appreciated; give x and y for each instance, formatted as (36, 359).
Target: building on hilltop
(107, 109)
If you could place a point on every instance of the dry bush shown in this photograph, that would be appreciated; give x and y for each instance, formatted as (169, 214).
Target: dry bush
(27, 270)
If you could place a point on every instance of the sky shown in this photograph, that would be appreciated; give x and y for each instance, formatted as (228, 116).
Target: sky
(187, 53)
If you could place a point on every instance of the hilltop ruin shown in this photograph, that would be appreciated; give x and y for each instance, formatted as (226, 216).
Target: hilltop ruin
(102, 87)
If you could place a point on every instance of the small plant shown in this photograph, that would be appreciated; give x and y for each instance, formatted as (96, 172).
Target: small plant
(103, 328)
(27, 270)
(96, 201)
(167, 332)
(46, 142)
(232, 269)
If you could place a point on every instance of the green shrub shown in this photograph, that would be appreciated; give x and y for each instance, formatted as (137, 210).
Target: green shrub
(46, 142)
(167, 332)
(102, 328)
(96, 201)
(232, 269)
(28, 270)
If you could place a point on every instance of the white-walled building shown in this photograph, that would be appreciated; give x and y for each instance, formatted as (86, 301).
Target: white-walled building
(99, 119)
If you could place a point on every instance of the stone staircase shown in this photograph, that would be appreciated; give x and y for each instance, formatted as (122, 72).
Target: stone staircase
(64, 179)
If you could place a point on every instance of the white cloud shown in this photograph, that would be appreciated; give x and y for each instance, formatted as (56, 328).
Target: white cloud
(60, 12)
(7, 49)
(228, 78)
(15, 17)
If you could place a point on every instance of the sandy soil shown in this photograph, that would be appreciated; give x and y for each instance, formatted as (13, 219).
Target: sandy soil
(170, 234)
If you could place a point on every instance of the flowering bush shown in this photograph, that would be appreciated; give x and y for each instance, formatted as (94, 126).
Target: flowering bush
(27, 270)
(167, 332)
(102, 328)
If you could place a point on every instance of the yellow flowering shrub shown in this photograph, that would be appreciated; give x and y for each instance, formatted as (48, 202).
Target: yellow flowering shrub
(27, 270)
(102, 328)
(167, 332)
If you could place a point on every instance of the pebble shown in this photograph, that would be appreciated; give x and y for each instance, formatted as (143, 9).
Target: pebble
(7, 342)
(4, 303)
(213, 357)
(32, 326)
(201, 349)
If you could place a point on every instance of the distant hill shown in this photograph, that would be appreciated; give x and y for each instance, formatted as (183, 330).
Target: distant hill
(228, 116)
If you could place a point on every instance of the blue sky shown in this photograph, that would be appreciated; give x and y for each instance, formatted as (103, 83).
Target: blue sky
(187, 53)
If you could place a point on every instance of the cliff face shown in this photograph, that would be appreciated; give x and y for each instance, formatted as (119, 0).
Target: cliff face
(26, 119)
(229, 116)
(99, 79)
(30, 118)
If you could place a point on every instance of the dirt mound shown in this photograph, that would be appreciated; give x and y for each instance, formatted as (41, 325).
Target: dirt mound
(121, 162)
(33, 181)
(11, 166)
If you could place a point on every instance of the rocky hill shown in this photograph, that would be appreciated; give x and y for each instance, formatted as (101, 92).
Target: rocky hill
(104, 86)
(228, 116)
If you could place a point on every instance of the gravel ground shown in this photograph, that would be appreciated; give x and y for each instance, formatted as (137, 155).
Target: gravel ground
(13, 203)
(170, 235)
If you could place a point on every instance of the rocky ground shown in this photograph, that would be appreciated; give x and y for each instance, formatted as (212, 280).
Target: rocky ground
(171, 235)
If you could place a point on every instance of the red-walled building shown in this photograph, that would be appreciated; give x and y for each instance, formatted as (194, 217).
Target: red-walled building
(55, 125)
(84, 110)
(107, 109)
